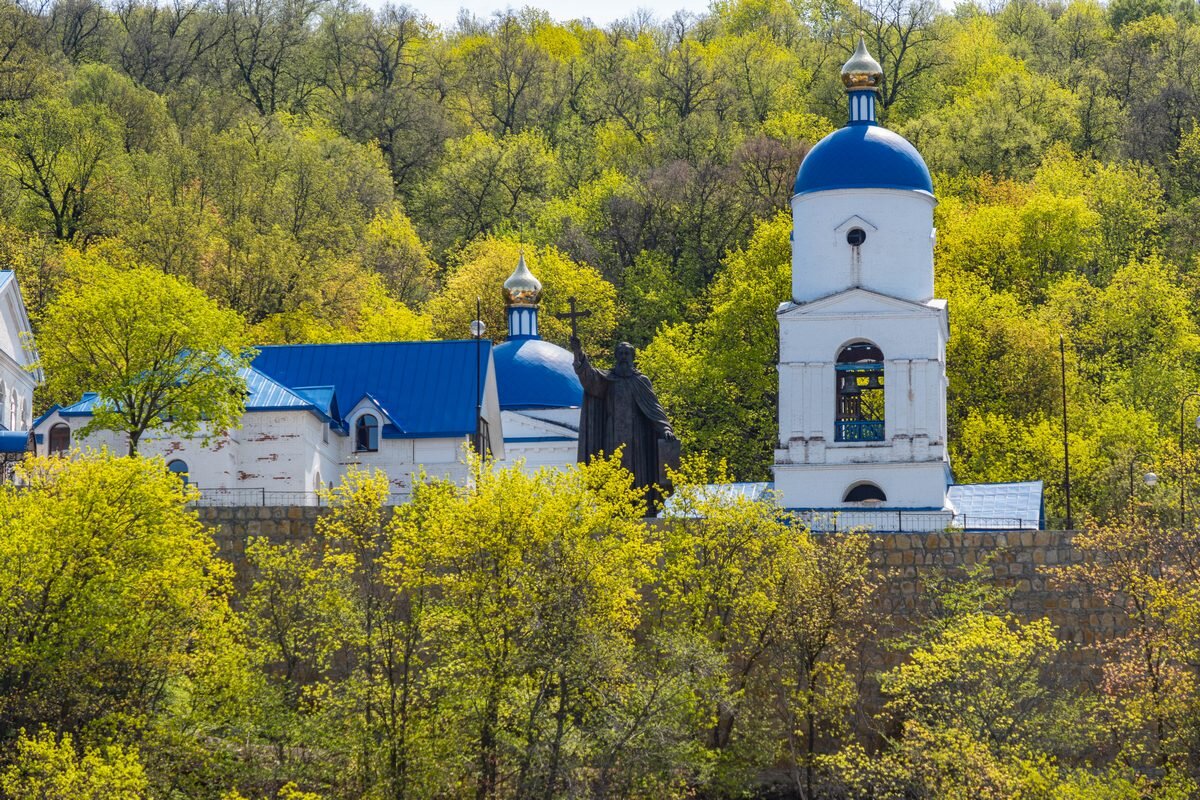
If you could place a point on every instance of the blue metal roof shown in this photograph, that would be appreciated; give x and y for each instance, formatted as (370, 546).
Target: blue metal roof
(533, 373)
(81, 407)
(863, 157)
(997, 506)
(262, 394)
(323, 397)
(13, 441)
(427, 388)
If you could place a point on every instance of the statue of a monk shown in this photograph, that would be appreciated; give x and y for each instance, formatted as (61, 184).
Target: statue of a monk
(621, 410)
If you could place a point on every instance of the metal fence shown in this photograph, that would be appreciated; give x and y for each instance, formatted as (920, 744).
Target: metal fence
(899, 521)
(247, 497)
(829, 521)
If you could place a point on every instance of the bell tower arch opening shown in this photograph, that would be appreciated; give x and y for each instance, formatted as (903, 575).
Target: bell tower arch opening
(860, 394)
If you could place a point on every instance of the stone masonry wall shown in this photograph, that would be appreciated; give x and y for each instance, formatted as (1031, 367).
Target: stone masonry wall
(1021, 560)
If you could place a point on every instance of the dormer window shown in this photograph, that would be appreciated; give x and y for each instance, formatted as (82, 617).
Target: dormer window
(855, 237)
(366, 434)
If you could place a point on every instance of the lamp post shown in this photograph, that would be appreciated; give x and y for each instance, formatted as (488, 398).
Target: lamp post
(1062, 354)
(1150, 479)
(478, 329)
(1182, 463)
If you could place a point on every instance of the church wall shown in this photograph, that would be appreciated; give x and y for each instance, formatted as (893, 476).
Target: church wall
(918, 485)
(1022, 561)
(16, 384)
(896, 259)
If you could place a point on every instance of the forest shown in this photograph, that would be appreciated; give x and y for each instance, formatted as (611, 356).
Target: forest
(533, 636)
(330, 172)
(267, 171)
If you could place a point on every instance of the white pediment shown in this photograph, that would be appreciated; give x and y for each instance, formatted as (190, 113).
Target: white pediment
(523, 426)
(859, 302)
(855, 222)
(368, 405)
(16, 335)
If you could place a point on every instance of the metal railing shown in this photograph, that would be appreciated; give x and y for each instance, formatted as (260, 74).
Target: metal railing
(899, 521)
(248, 497)
(858, 430)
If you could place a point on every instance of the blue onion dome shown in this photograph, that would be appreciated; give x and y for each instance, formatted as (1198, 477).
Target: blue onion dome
(863, 155)
(522, 288)
(533, 373)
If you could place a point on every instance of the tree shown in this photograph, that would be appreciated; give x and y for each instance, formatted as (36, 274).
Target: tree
(782, 612)
(113, 603)
(485, 182)
(49, 767)
(1146, 572)
(393, 250)
(157, 352)
(58, 154)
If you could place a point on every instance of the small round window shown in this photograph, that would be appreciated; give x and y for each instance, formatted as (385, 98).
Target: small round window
(856, 236)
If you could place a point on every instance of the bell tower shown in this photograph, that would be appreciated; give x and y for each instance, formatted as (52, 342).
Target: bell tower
(862, 340)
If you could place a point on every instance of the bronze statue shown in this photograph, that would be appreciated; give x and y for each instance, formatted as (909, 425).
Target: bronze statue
(621, 410)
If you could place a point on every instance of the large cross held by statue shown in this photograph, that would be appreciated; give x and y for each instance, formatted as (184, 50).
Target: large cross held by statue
(573, 316)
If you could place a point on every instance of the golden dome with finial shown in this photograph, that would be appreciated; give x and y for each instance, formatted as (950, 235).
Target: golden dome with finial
(522, 288)
(862, 71)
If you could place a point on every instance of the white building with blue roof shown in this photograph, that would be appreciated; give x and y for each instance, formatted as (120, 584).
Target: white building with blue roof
(18, 377)
(314, 411)
(862, 340)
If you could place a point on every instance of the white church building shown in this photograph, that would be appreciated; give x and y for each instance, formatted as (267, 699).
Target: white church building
(313, 411)
(18, 377)
(862, 375)
(862, 341)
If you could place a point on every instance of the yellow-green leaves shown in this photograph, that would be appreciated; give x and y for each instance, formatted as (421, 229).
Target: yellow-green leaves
(112, 601)
(158, 353)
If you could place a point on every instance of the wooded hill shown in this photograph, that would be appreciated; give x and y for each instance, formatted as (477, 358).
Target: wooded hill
(331, 172)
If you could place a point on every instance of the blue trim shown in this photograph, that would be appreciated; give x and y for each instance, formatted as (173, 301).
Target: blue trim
(858, 430)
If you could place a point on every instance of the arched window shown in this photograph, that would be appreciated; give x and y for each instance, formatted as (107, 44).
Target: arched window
(366, 434)
(865, 492)
(859, 416)
(180, 468)
(60, 439)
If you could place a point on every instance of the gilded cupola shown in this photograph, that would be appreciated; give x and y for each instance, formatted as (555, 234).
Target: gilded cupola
(522, 288)
(862, 71)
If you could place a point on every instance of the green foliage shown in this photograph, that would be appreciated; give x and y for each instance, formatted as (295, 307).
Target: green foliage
(48, 767)
(157, 352)
(484, 266)
(117, 623)
(717, 378)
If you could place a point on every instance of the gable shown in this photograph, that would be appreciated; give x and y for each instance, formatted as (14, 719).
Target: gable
(15, 331)
(858, 302)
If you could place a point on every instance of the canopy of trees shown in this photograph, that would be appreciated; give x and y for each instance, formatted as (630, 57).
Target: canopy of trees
(333, 172)
(533, 635)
